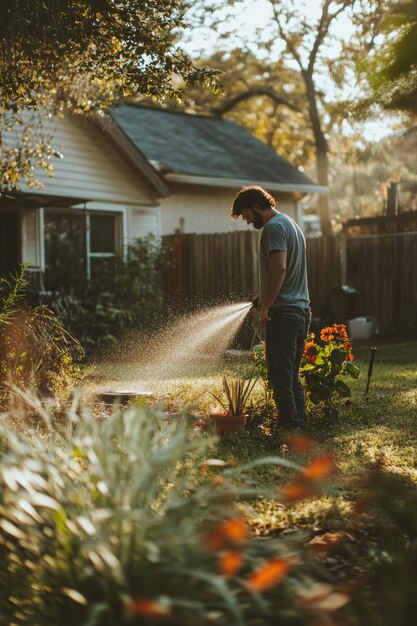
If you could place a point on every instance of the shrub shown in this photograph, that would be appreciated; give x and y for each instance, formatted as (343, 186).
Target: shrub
(322, 367)
(122, 295)
(325, 364)
(127, 520)
(36, 352)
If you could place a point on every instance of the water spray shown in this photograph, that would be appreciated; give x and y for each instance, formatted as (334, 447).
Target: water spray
(181, 348)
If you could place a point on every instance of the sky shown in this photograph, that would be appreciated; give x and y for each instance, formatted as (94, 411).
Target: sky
(252, 15)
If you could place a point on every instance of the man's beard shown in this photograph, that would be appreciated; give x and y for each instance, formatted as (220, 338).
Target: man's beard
(258, 222)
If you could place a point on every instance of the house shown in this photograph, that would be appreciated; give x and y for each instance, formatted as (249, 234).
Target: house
(204, 161)
(137, 171)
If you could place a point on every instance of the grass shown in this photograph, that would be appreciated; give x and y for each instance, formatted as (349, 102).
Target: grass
(379, 427)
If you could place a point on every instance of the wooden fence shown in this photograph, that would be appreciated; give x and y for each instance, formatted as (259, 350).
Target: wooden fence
(219, 267)
(384, 269)
(213, 268)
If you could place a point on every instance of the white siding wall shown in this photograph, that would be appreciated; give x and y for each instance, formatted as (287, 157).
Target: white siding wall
(142, 223)
(91, 167)
(205, 210)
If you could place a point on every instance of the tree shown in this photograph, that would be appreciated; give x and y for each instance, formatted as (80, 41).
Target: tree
(265, 98)
(303, 40)
(79, 56)
(392, 71)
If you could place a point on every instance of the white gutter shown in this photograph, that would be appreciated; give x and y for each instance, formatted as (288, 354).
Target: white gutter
(211, 181)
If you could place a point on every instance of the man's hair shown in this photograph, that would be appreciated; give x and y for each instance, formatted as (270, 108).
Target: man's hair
(248, 197)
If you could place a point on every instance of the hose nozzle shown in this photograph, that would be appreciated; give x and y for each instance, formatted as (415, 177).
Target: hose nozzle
(256, 304)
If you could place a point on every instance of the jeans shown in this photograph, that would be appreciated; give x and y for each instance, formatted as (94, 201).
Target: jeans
(285, 336)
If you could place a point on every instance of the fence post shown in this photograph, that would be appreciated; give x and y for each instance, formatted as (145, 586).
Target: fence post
(343, 256)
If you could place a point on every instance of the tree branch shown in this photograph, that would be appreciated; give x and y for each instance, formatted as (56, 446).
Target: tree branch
(291, 48)
(252, 93)
(326, 19)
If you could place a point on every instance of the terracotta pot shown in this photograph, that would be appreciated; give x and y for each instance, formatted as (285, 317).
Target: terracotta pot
(225, 423)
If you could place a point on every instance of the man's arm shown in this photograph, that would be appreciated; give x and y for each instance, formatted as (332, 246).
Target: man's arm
(274, 281)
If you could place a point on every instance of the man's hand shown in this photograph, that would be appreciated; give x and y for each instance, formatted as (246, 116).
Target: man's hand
(264, 317)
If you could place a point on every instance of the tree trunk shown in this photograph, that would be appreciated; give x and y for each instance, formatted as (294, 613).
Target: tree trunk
(322, 149)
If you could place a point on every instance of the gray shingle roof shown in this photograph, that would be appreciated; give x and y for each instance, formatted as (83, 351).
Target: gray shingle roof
(204, 146)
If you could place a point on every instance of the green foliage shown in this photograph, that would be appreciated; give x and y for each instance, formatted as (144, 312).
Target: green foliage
(81, 56)
(112, 522)
(36, 352)
(392, 71)
(260, 362)
(322, 368)
(122, 295)
(12, 291)
(236, 392)
(324, 364)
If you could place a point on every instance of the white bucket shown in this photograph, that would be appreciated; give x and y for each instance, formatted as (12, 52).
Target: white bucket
(361, 327)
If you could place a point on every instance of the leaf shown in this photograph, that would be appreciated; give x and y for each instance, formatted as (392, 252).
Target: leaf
(342, 389)
(352, 370)
(11, 529)
(74, 595)
(323, 597)
(338, 357)
(268, 575)
(271, 460)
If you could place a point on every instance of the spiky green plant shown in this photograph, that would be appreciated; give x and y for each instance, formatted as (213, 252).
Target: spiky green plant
(236, 392)
(12, 290)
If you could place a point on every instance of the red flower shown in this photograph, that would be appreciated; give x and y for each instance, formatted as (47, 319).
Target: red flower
(310, 352)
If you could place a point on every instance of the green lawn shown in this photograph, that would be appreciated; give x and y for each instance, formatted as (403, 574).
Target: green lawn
(380, 427)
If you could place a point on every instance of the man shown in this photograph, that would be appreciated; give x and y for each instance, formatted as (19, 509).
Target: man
(284, 301)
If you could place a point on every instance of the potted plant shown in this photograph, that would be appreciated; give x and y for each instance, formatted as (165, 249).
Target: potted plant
(236, 392)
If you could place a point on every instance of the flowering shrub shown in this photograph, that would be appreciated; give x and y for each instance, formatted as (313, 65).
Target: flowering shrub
(322, 367)
(325, 363)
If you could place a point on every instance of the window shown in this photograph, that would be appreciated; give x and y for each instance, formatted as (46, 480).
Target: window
(77, 243)
(102, 234)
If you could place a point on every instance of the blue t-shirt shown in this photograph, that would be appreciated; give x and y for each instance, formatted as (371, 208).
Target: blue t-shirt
(282, 233)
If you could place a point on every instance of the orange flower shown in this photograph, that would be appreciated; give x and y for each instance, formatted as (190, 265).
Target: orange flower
(150, 608)
(268, 575)
(231, 532)
(305, 484)
(326, 334)
(299, 443)
(320, 468)
(299, 490)
(230, 562)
